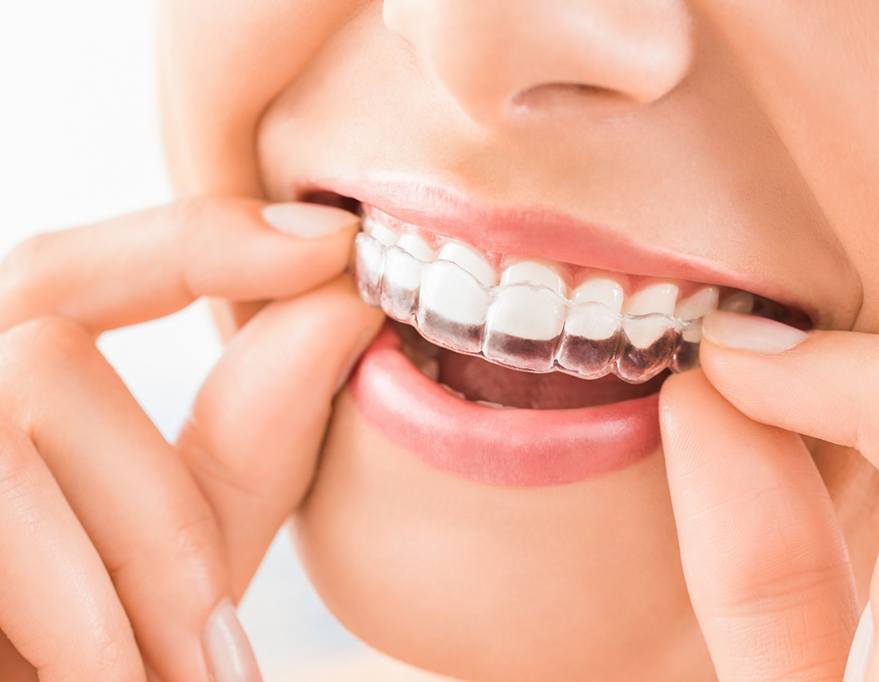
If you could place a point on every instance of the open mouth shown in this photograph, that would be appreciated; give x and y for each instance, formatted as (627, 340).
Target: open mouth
(500, 343)
(510, 331)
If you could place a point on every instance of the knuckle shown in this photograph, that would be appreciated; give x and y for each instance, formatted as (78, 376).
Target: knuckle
(194, 216)
(105, 651)
(23, 261)
(187, 212)
(46, 342)
(113, 656)
(16, 460)
(786, 591)
(211, 469)
(196, 536)
(867, 437)
(22, 273)
(35, 358)
(190, 540)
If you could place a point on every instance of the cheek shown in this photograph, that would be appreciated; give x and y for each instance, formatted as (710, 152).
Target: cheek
(470, 580)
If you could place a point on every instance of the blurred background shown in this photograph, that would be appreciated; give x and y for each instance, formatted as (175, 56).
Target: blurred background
(79, 141)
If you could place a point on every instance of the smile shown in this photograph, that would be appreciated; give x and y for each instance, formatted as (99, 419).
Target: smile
(517, 370)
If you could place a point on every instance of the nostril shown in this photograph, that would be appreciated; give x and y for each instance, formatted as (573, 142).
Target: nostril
(580, 97)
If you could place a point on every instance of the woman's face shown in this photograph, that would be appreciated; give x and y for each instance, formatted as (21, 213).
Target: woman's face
(732, 142)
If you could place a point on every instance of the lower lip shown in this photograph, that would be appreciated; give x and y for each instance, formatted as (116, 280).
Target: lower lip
(513, 447)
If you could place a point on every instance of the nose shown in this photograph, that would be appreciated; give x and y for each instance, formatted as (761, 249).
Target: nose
(502, 58)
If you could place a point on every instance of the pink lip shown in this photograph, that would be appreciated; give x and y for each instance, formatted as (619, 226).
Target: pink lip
(499, 447)
(538, 233)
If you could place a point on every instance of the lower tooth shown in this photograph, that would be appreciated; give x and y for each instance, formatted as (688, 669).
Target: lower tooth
(454, 392)
(430, 368)
(488, 403)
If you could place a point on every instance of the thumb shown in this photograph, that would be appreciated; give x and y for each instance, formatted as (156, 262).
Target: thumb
(254, 436)
(764, 560)
(821, 384)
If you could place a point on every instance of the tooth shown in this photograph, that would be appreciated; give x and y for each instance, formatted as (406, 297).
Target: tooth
(602, 290)
(534, 272)
(455, 393)
(642, 332)
(738, 302)
(470, 260)
(489, 403)
(654, 298)
(687, 354)
(698, 304)
(592, 321)
(416, 246)
(430, 368)
(523, 326)
(452, 307)
(384, 234)
(590, 339)
(369, 263)
(400, 282)
(526, 312)
(694, 308)
(648, 346)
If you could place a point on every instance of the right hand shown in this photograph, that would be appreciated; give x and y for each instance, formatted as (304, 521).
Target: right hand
(121, 554)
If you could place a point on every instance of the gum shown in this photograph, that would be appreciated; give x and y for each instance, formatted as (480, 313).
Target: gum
(633, 347)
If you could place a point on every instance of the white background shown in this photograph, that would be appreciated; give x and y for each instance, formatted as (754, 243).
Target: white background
(79, 141)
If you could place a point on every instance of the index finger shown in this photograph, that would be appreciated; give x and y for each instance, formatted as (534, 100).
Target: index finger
(149, 264)
(821, 384)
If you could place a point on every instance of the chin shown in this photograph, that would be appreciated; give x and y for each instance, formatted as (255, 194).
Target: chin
(490, 582)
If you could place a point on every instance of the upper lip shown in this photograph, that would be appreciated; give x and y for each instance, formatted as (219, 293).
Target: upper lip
(537, 232)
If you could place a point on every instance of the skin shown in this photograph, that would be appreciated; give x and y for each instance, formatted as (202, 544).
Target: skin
(681, 567)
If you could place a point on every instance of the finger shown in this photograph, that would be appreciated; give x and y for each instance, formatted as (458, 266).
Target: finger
(764, 560)
(144, 513)
(822, 384)
(861, 665)
(258, 422)
(13, 668)
(58, 606)
(152, 263)
(865, 654)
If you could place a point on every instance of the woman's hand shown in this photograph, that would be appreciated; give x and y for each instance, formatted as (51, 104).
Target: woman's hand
(764, 557)
(121, 552)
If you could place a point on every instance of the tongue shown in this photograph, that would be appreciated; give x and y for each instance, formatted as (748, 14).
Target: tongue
(481, 380)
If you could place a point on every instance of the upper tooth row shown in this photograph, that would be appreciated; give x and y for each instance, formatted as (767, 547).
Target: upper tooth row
(660, 297)
(526, 318)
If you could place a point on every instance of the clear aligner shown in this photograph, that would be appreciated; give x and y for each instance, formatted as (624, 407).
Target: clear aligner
(526, 326)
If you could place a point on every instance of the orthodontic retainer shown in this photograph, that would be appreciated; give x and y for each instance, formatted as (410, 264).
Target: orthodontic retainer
(589, 342)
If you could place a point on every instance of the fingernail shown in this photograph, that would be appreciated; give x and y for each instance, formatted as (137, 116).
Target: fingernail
(229, 654)
(859, 654)
(748, 332)
(308, 221)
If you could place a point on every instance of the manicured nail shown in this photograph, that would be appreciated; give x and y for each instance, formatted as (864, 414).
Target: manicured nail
(227, 649)
(862, 645)
(747, 332)
(308, 221)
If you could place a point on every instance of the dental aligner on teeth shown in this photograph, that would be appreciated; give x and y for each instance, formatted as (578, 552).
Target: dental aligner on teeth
(525, 321)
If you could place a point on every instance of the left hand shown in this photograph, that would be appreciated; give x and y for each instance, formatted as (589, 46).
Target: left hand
(763, 552)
